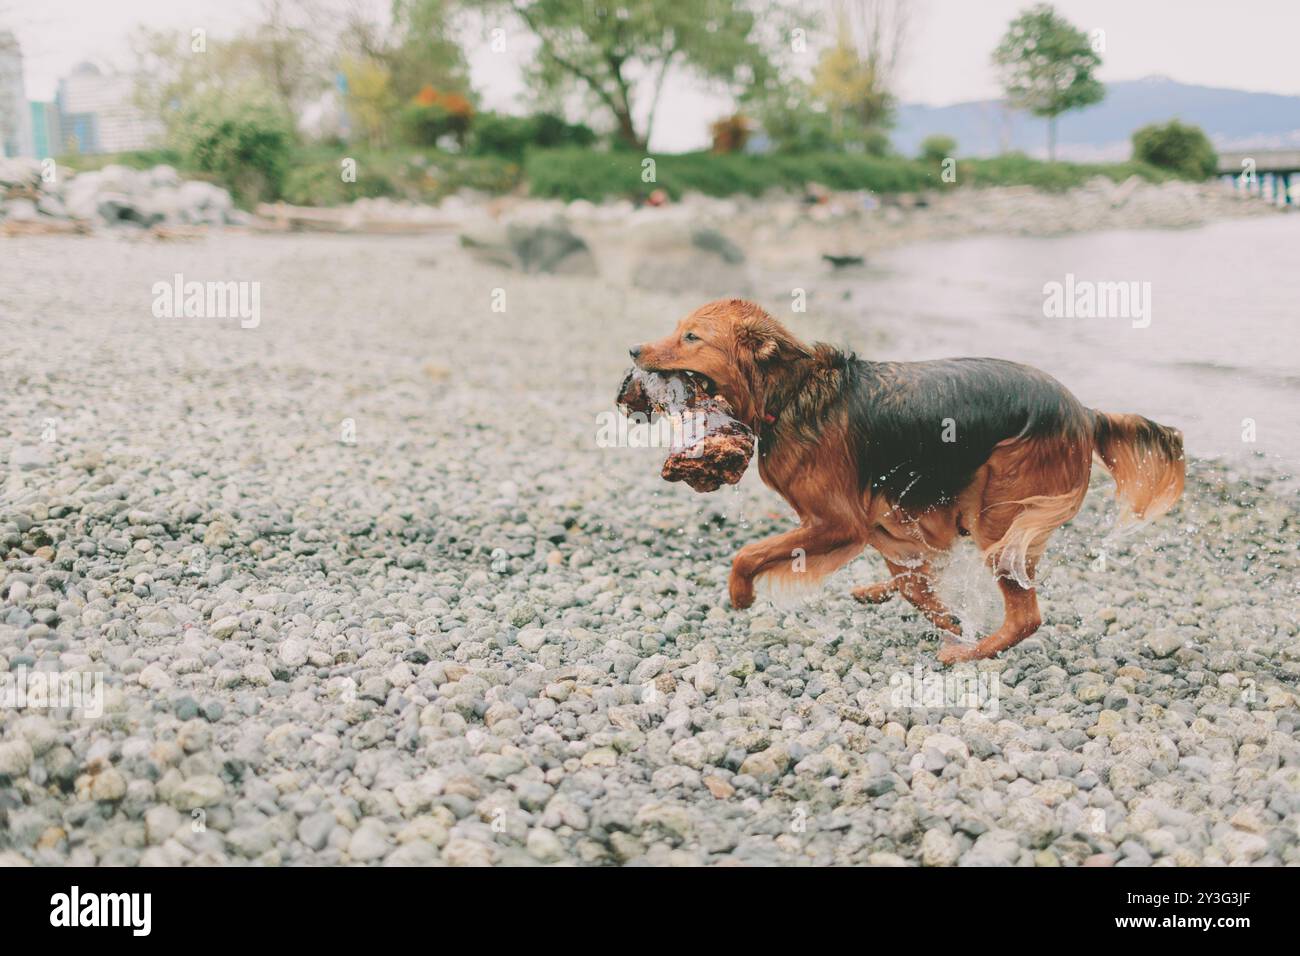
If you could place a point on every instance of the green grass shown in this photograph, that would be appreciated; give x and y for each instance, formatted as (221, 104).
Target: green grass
(314, 176)
(139, 159)
(428, 175)
(421, 175)
(1016, 169)
(584, 174)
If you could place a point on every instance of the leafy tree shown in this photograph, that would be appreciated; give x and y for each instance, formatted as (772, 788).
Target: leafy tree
(425, 52)
(1047, 67)
(623, 54)
(853, 76)
(280, 55)
(1181, 148)
(849, 87)
(795, 123)
(370, 97)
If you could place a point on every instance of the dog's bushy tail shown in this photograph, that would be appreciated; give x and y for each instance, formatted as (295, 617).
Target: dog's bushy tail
(1145, 459)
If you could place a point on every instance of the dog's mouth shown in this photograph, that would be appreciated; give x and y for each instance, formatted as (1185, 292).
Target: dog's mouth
(703, 381)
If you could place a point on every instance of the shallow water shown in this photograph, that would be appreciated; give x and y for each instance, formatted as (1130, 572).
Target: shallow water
(1220, 348)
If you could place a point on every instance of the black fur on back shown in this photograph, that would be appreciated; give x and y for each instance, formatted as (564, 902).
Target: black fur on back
(897, 412)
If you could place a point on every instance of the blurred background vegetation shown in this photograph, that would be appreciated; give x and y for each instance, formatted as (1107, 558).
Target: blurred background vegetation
(404, 109)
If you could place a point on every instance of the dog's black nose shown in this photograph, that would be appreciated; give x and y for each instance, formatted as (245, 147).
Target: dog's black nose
(634, 351)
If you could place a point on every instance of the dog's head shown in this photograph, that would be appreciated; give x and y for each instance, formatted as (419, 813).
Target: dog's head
(733, 346)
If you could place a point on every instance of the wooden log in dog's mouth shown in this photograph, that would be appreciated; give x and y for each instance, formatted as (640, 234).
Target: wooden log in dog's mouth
(710, 447)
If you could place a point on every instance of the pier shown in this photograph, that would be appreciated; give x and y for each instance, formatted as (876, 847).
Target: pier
(1266, 172)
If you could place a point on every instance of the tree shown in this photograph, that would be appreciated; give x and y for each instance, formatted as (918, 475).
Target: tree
(854, 76)
(280, 57)
(370, 95)
(1181, 148)
(407, 72)
(623, 54)
(1047, 67)
(425, 52)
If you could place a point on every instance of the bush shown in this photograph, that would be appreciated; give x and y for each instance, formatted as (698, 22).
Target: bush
(433, 115)
(1181, 149)
(417, 175)
(318, 181)
(935, 149)
(242, 139)
(797, 128)
(796, 124)
(730, 134)
(424, 124)
(499, 134)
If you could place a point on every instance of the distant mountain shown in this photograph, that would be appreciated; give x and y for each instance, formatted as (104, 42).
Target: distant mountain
(1233, 119)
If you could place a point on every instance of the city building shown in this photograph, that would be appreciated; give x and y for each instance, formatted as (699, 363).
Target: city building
(98, 114)
(47, 130)
(15, 117)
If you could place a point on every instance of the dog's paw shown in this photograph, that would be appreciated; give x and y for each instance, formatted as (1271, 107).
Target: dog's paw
(875, 593)
(741, 590)
(955, 652)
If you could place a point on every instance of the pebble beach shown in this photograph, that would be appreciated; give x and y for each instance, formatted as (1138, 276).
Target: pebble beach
(367, 582)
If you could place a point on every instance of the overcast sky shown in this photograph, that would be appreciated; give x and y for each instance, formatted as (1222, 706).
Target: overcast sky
(1251, 46)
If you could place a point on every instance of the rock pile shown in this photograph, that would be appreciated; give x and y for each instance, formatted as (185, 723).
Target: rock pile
(31, 193)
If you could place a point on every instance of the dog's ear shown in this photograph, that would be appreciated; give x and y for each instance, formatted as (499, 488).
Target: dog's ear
(768, 341)
(766, 350)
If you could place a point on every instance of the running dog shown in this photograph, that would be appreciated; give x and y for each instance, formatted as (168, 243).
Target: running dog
(909, 456)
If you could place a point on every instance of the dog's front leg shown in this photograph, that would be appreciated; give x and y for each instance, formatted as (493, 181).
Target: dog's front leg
(814, 550)
(740, 585)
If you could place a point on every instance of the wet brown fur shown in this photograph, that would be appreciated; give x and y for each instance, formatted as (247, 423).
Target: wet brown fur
(853, 447)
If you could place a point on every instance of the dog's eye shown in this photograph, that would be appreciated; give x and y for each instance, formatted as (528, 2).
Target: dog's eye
(690, 337)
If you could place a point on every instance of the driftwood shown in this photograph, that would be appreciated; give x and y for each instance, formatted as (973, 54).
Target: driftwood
(44, 227)
(281, 217)
(710, 448)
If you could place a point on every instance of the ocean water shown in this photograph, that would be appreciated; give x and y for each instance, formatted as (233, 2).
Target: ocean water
(1210, 341)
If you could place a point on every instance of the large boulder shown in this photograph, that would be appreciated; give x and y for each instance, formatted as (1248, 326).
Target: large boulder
(19, 174)
(549, 247)
(692, 258)
(18, 210)
(201, 202)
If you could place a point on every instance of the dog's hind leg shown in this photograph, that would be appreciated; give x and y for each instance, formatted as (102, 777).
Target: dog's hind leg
(1022, 619)
(1034, 488)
